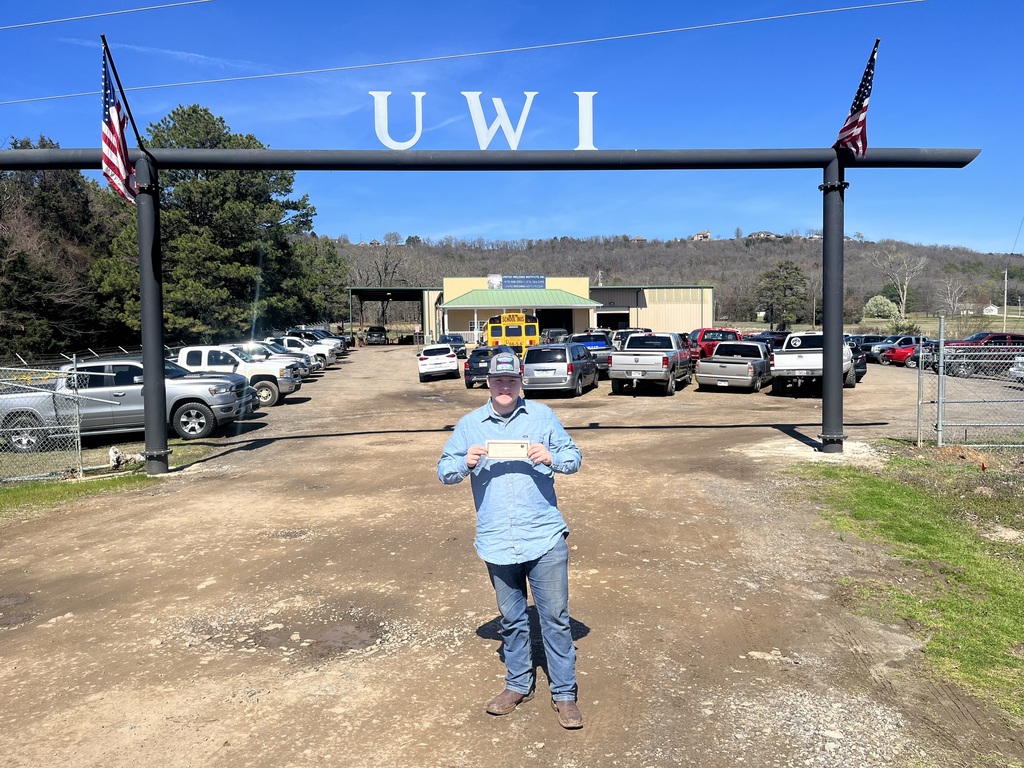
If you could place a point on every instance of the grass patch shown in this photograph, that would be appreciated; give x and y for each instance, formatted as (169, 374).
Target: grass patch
(967, 600)
(30, 499)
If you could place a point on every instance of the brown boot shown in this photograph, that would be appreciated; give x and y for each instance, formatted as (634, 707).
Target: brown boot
(506, 701)
(569, 715)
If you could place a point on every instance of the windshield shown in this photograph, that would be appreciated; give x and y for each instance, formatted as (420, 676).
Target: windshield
(173, 370)
(977, 336)
(245, 356)
(273, 346)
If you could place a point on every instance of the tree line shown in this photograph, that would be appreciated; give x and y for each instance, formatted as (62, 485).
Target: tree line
(241, 257)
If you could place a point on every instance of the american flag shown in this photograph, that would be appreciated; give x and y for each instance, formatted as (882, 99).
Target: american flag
(854, 133)
(116, 166)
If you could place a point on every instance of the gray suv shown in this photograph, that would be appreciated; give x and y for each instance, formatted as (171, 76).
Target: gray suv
(567, 367)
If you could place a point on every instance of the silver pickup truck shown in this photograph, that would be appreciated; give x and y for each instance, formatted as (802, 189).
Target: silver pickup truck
(744, 364)
(662, 359)
(104, 396)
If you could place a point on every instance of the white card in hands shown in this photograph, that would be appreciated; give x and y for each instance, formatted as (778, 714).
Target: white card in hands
(507, 449)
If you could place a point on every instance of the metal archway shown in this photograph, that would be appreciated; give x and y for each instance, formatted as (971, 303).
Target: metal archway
(831, 162)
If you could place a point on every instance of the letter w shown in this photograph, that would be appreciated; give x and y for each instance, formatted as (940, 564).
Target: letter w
(485, 133)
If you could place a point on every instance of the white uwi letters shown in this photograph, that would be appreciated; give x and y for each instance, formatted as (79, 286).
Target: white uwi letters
(484, 133)
(380, 119)
(586, 121)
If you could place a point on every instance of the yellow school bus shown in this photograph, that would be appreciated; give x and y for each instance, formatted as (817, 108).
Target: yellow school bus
(513, 329)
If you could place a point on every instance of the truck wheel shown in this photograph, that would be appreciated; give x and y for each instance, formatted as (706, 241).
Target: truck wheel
(962, 369)
(22, 432)
(850, 379)
(756, 386)
(911, 363)
(193, 421)
(469, 384)
(670, 385)
(268, 393)
(617, 386)
(883, 360)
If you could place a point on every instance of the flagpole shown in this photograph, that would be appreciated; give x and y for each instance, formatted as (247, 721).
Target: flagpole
(124, 99)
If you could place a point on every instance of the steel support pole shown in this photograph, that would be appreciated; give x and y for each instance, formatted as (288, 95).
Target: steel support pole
(833, 188)
(154, 395)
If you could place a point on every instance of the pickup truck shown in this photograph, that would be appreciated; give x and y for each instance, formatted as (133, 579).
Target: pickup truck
(704, 340)
(324, 355)
(745, 364)
(598, 344)
(661, 358)
(270, 378)
(801, 359)
(985, 353)
(104, 396)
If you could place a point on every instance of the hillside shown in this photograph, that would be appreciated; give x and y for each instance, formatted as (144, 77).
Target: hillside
(733, 267)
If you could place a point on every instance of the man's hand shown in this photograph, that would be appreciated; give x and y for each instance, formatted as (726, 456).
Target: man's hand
(474, 454)
(539, 454)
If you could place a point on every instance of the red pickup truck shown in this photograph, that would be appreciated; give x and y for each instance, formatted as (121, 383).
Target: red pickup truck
(704, 340)
(986, 353)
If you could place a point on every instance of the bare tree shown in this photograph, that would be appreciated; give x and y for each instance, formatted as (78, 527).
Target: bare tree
(953, 291)
(900, 268)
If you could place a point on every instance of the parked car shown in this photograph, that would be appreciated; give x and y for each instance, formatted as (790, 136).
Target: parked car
(319, 335)
(553, 335)
(437, 360)
(325, 354)
(1016, 371)
(376, 334)
(864, 339)
(568, 367)
(900, 356)
(478, 362)
(896, 340)
(455, 341)
(620, 336)
(268, 350)
(743, 364)
(985, 353)
(860, 362)
(774, 339)
(598, 344)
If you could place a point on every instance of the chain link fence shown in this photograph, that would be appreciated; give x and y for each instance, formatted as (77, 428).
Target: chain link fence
(40, 435)
(972, 392)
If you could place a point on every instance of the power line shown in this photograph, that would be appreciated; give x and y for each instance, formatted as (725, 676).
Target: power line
(476, 54)
(100, 15)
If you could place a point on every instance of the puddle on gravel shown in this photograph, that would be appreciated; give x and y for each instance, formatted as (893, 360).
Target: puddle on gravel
(9, 620)
(299, 639)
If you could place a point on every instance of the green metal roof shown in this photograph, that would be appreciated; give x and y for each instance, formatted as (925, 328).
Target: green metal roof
(514, 300)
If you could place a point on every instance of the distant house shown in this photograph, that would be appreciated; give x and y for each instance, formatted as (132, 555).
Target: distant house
(638, 239)
(991, 309)
(703, 236)
(763, 234)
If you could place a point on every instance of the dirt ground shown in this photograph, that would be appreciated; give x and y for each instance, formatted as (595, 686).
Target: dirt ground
(309, 596)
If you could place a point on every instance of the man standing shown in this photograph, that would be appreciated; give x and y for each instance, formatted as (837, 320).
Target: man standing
(520, 533)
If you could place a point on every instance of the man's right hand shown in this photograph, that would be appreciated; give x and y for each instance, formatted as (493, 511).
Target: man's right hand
(474, 454)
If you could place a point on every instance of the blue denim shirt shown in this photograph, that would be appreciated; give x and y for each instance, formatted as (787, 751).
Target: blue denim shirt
(517, 517)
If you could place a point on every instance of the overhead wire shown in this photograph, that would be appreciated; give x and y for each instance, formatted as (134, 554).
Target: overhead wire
(45, 22)
(477, 54)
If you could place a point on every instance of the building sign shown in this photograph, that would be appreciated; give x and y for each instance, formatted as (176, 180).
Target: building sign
(485, 132)
(518, 282)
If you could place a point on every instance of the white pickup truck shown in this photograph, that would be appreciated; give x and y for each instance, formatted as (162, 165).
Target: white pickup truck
(801, 360)
(660, 358)
(270, 378)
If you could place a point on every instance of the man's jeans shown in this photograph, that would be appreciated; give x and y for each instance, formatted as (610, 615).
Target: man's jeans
(548, 577)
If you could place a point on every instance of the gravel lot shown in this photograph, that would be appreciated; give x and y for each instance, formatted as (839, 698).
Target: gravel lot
(309, 596)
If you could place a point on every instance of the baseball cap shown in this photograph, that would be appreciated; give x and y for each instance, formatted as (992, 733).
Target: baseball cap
(505, 364)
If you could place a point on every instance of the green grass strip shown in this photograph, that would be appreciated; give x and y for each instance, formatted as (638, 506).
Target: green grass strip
(969, 600)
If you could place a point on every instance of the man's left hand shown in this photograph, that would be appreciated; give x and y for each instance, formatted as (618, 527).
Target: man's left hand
(538, 454)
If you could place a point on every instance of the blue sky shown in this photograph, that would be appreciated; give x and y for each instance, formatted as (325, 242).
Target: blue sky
(947, 76)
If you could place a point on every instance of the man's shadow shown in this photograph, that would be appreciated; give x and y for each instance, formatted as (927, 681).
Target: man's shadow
(491, 630)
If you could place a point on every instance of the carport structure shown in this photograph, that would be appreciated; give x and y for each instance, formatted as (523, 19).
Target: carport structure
(831, 162)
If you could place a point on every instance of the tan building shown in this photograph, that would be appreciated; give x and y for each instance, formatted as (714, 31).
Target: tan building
(465, 303)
